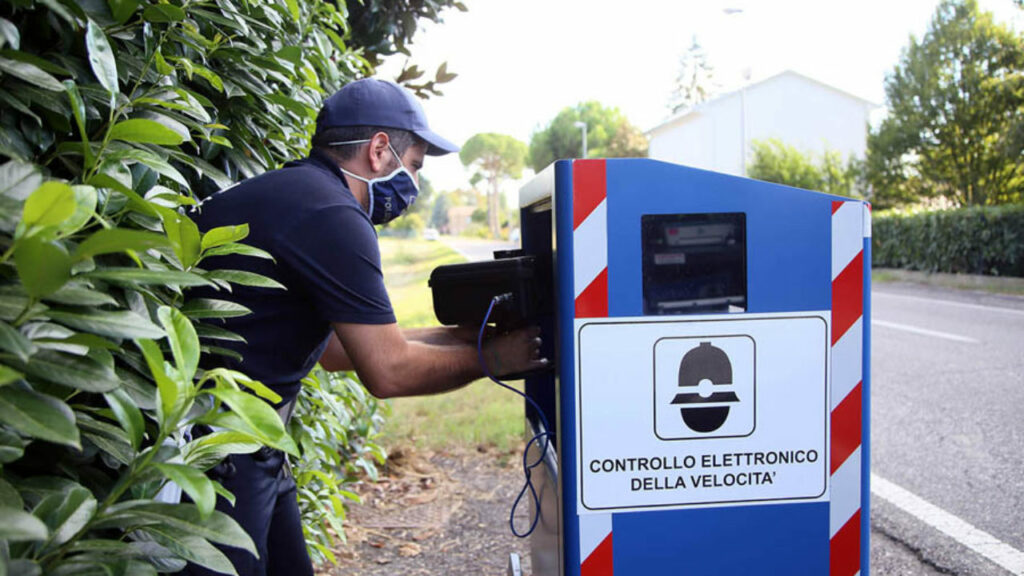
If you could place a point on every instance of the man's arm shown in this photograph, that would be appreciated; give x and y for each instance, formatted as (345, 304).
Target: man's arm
(335, 359)
(389, 365)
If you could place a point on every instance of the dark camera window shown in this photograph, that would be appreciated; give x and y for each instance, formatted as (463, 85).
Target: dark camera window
(694, 263)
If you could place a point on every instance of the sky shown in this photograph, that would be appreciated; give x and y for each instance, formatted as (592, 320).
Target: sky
(522, 61)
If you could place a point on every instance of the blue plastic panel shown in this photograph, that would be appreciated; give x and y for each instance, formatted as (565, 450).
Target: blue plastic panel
(788, 270)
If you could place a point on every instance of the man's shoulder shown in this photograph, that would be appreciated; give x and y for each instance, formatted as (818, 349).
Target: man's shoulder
(287, 193)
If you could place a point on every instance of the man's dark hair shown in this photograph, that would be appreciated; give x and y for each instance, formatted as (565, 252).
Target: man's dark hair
(400, 140)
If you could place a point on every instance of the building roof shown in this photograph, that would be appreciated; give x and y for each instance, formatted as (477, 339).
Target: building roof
(694, 110)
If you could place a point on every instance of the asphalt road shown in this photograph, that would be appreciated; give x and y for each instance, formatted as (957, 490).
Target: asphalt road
(946, 401)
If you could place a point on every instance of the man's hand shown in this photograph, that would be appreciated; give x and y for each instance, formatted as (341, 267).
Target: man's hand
(514, 353)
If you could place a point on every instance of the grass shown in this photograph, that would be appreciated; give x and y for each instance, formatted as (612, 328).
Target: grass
(480, 414)
(991, 284)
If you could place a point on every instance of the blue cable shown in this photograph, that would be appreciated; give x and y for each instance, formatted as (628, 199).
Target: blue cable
(546, 434)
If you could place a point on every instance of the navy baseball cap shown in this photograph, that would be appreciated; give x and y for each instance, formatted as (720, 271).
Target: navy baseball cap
(372, 102)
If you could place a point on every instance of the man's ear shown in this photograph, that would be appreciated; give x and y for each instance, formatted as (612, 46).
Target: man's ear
(378, 151)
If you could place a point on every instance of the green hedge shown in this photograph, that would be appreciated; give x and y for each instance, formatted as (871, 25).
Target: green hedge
(980, 240)
(115, 115)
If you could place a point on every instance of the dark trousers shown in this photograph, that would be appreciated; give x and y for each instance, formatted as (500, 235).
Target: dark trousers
(267, 508)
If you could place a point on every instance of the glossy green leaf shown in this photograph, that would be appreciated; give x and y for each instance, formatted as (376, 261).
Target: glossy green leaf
(240, 379)
(13, 341)
(10, 33)
(258, 415)
(293, 9)
(81, 372)
(218, 528)
(51, 204)
(194, 483)
(122, 10)
(140, 276)
(163, 13)
(145, 131)
(217, 333)
(31, 73)
(212, 308)
(244, 278)
(224, 493)
(13, 306)
(151, 161)
(65, 514)
(170, 391)
(112, 323)
(128, 415)
(17, 525)
(113, 240)
(219, 444)
(19, 179)
(183, 235)
(47, 64)
(117, 448)
(224, 235)
(9, 495)
(9, 375)
(78, 295)
(183, 339)
(190, 547)
(161, 64)
(11, 446)
(234, 248)
(38, 415)
(85, 208)
(77, 108)
(93, 342)
(42, 266)
(101, 57)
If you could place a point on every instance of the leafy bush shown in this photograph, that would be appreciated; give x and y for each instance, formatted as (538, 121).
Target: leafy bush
(116, 115)
(407, 226)
(335, 425)
(978, 240)
(775, 161)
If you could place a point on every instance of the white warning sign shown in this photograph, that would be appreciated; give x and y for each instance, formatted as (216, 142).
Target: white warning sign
(701, 410)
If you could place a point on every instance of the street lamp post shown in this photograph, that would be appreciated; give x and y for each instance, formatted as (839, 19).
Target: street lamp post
(743, 104)
(583, 128)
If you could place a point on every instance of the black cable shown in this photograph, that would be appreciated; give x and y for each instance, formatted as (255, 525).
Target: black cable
(545, 434)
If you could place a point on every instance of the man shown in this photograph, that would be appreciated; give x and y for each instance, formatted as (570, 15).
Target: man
(316, 217)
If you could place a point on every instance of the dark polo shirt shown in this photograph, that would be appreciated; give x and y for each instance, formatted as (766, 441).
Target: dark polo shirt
(326, 254)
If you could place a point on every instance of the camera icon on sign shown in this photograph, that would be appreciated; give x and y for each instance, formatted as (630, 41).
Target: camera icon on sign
(704, 387)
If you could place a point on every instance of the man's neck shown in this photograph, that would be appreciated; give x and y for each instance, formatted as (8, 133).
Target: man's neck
(358, 188)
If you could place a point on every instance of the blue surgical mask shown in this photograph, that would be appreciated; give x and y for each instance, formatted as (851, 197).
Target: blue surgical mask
(390, 195)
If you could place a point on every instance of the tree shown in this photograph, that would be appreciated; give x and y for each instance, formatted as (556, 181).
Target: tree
(115, 115)
(775, 161)
(955, 102)
(496, 157)
(695, 82)
(439, 212)
(387, 27)
(609, 135)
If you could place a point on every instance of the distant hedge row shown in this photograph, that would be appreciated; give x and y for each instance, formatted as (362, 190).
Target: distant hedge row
(980, 240)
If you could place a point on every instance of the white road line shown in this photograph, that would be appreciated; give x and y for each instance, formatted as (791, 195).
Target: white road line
(996, 309)
(924, 331)
(458, 250)
(978, 540)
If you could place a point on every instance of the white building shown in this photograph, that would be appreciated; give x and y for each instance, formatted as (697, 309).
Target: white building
(798, 110)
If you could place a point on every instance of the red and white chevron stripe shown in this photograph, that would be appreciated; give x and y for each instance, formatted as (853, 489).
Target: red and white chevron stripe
(590, 283)
(590, 238)
(851, 223)
(596, 545)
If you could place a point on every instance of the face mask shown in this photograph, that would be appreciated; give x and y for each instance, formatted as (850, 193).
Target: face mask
(390, 195)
